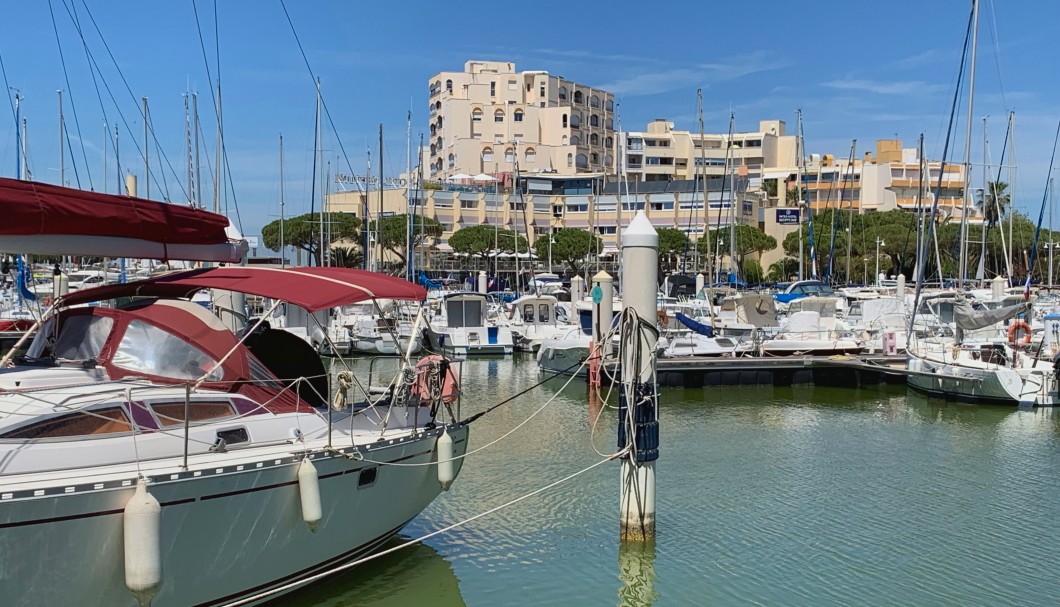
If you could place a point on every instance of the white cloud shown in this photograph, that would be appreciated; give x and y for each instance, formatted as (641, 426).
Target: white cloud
(897, 87)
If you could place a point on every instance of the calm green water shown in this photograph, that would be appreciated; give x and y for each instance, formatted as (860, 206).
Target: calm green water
(805, 496)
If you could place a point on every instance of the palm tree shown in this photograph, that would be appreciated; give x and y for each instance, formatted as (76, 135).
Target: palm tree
(994, 202)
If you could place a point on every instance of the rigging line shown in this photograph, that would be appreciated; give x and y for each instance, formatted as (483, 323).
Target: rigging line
(418, 540)
(95, 84)
(158, 149)
(1041, 216)
(997, 53)
(323, 104)
(922, 255)
(73, 107)
(7, 87)
(130, 91)
(106, 86)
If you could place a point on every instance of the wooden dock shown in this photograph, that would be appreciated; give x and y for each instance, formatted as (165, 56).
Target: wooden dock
(839, 370)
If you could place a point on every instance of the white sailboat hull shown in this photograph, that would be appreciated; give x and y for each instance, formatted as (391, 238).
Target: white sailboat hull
(231, 526)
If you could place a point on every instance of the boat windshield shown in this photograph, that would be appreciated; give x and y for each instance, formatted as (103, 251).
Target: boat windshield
(80, 337)
(150, 350)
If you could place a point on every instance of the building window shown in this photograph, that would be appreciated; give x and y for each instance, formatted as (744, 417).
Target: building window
(594, 101)
(452, 161)
(594, 120)
(563, 93)
(570, 160)
(575, 121)
(595, 158)
(449, 86)
(609, 124)
(564, 121)
(511, 85)
(594, 140)
(493, 89)
(498, 116)
(582, 161)
(610, 105)
(564, 141)
(434, 150)
(487, 154)
(509, 155)
(574, 140)
(531, 155)
(518, 117)
(578, 98)
(609, 142)
(433, 130)
(476, 115)
(439, 122)
(542, 91)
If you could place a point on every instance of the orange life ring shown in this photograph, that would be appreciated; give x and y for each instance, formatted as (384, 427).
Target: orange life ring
(1015, 339)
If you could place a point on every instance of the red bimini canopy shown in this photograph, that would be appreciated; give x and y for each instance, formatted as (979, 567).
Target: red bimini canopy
(40, 218)
(315, 288)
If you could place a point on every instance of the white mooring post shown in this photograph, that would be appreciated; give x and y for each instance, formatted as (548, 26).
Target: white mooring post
(577, 290)
(482, 282)
(638, 425)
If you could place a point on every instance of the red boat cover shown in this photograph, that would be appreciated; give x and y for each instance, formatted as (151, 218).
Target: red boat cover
(312, 288)
(31, 208)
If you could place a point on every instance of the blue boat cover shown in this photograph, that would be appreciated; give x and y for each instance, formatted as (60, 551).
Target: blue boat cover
(696, 327)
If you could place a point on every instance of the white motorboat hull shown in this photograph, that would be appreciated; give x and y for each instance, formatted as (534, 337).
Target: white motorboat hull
(386, 346)
(231, 526)
(986, 385)
(472, 341)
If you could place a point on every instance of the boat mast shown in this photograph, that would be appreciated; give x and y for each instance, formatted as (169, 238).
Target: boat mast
(189, 173)
(147, 164)
(379, 215)
(283, 257)
(409, 260)
(62, 150)
(318, 164)
(701, 171)
(980, 273)
(962, 270)
(850, 206)
(217, 176)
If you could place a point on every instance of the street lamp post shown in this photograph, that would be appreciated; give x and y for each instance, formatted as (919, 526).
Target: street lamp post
(879, 241)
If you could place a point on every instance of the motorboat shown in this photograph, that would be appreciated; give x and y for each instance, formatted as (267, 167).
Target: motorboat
(460, 326)
(151, 455)
(533, 319)
(811, 328)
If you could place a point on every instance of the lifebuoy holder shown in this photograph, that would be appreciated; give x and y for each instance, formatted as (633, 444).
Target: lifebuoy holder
(1015, 339)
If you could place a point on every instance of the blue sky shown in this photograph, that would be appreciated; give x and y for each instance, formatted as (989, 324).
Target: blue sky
(859, 71)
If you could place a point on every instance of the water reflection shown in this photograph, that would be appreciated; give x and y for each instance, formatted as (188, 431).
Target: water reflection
(636, 569)
(417, 575)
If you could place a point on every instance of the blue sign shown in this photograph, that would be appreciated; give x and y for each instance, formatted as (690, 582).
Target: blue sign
(597, 294)
(788, 217)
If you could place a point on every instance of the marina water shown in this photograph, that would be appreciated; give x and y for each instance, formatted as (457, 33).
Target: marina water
(766, 496)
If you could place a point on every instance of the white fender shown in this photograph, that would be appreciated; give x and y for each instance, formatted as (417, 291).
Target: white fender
(143, 556)
(309, 491)
(445, 460)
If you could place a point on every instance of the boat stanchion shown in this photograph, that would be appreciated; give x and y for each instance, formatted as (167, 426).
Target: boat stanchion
(143, 557)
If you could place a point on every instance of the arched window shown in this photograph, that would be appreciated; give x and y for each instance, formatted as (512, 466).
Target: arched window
(610, 105)
(564, 121)
(509, 155)
(518, 117)
(438, 105)
(570, 160)
(476, 115)
(498, 116)
(582, 161)
(595, 158)
(608, 160)
(575, 140)
(609, 142)
(439, 122)
(610, 124)
(434, 150)
(452, 161)
(531, 155)
(449, 86)
(439, 143)
(575, 121)
(594, 101)
(594, 140)
(564, 140)
(594, 120)
(563, 93)
(487, 154)
(433, 129)
(578, 97)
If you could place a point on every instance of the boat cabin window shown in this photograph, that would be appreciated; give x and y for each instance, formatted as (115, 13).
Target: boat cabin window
(543, 312)
(528, 312)
(172, 413)
(464, 312)
(108, 420)
(147, 349)
(81, 337)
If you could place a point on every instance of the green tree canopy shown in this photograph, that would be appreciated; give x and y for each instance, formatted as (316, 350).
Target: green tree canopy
(482, 240)
(749, 239)
(303, 232)
(673, 243)
(569, 246)
(393, 232)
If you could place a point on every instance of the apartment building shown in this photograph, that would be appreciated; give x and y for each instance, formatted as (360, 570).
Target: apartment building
(663, 153)
(489, 117)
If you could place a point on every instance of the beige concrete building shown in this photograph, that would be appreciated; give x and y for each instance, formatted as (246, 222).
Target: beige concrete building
(489, 116)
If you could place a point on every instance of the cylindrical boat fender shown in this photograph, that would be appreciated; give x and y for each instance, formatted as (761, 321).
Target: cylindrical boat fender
(143, 554)
(309, 492)
(445, 460)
